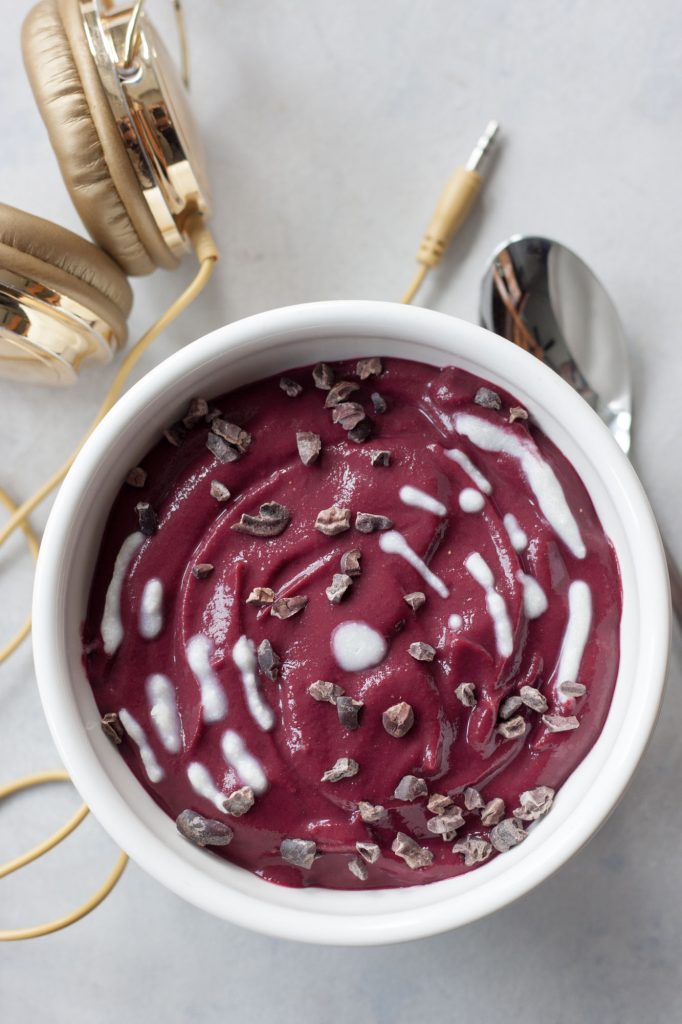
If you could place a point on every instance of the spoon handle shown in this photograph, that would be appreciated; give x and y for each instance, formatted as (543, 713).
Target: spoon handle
(675, 582)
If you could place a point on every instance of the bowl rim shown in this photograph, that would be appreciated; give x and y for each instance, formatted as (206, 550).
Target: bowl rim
(189, 876)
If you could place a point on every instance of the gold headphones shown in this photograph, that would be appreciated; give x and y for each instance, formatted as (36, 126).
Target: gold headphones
(128, 150)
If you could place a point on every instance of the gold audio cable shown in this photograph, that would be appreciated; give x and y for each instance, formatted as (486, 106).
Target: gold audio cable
(452, 209)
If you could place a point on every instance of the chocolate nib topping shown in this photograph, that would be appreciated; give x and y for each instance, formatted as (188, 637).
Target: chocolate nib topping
(202, 570)
(223, 451)
(268, 660)
(324, 691)
(331, 521)
(421, 651)
(309, 446)
(438, 803)
(219, 491)
(398, 719)
(203, 831)
(344, 768)
(569, 689)
(372, 814)
(287, 607)
(447, 823)
(512, 729)
(473, 801)
(410, 788)
(339, 393)
(535, 803)
(560, 723)
(414, 855)
(197, 410)
(379, 402)
(176, 434)
(488, 399)
(348, 711)
(290, 387)
(415, 600)
(231, 433)
(381, 458)
(137, 477)
(261, 596)
(323, 376)
(146, 517)
(348, 414)
(517, 412)
(239, 802)
(509, 707)
(533, 699)
(271, 520)
(299, 852)
(357, 867)
(493, 811)
(368, 851)
(112, 728)
(508, 833)
(350, 562)
(340, 585)
(369, 368)
(466, 694)
(361, 432)
(365, 522)
(474, 851)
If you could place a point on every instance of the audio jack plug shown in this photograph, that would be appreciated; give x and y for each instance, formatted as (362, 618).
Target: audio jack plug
(452, 209)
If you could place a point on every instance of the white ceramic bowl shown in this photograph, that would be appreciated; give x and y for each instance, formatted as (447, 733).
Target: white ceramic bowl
(257, 347)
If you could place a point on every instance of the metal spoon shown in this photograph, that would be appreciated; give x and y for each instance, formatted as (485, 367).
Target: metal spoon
(540, 295)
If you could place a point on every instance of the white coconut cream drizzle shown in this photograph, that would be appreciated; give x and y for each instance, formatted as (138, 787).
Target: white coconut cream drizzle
(534, 598)
(111, 627)
(538, 473)
(517, 536)
(151, 609)
(420, 499)
(213, 698)
(477, 566)
(455, 622)
(472, 471)
(248, 768)
(356, 646)
(244, 657)
(163, 711)
(137, 734)
(203, 785)
(471, 500)
(393, 543)
(576, 634)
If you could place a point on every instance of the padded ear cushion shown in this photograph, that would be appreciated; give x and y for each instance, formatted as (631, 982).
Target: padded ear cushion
(84, 137)
(50, 254)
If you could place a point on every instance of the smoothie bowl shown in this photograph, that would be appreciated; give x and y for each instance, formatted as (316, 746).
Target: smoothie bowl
(351, 622)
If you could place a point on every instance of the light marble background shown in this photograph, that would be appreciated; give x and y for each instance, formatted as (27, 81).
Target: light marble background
(330, 127)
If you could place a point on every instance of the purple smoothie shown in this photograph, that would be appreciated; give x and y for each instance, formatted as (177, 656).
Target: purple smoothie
(497, 683)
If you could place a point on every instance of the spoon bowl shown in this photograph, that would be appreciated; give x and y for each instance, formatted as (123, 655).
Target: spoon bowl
(538, 294)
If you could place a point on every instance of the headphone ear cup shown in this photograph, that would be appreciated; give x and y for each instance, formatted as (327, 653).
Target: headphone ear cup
(83, 133)
(44, 252)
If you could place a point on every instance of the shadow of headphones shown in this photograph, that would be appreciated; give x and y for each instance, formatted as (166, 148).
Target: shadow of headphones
(119, 123)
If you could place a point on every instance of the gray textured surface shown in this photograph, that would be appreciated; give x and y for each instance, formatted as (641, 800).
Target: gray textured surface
(329, 129)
